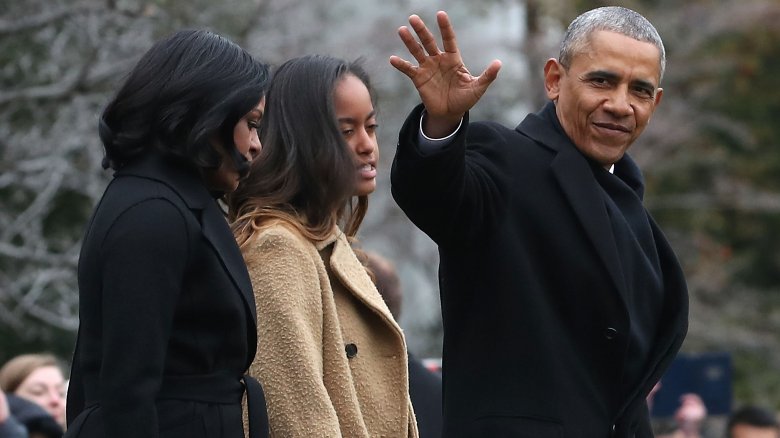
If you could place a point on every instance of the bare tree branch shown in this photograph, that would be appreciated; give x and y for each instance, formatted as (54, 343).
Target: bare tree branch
(50, 91)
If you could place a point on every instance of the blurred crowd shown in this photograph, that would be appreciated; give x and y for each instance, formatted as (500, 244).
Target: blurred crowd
(692, 420)
(33, 388)
(32, 397)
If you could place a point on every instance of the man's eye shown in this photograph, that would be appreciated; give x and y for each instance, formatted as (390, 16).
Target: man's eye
(645, 92)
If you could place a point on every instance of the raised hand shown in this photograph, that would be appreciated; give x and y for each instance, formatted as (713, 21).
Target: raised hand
(445, 85)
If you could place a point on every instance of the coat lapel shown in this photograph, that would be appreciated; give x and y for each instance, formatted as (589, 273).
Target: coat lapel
(576, 179)
(353, 276)
(673, 325)
(187, 184)
(217, 232)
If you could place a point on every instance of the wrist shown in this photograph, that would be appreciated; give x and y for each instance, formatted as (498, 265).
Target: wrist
(439, 126)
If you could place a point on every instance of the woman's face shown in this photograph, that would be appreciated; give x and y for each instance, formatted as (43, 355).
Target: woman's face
(357, 120)
(45, 386)
(225, 178)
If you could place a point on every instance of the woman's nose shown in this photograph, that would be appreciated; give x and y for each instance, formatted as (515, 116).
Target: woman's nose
(366, 143)
(255, 146)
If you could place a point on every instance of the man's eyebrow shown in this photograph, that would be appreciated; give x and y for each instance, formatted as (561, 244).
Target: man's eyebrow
(603, 74)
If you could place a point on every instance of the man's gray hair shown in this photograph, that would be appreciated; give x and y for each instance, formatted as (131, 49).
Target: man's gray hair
(612, 19)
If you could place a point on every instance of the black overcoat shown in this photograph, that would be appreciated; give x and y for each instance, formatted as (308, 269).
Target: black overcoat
(167, 313)
(533, 300)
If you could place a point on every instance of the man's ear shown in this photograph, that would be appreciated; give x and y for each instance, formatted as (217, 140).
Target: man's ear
(658, 95)
(553, 70)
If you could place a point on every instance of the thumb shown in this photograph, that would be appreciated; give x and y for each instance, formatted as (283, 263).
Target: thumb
(489, 75)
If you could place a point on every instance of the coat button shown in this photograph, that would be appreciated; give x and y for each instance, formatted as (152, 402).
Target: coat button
(351, 350)
(610, 333)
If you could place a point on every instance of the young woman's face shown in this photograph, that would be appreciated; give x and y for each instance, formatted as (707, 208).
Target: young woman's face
(45, 386)
(357, 120)
(225, 178)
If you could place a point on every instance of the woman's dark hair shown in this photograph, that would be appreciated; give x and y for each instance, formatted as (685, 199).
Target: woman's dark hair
(187, 91)
(305, 173)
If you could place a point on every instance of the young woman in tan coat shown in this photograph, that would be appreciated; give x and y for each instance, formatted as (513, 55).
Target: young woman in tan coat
(331, 358)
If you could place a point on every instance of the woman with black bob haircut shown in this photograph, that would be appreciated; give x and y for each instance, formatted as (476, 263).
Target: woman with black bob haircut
(167, 313)
(330, 356)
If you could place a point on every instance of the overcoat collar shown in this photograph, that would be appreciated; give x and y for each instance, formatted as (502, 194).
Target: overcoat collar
(351, 273)
(574, 174)
(188, 185)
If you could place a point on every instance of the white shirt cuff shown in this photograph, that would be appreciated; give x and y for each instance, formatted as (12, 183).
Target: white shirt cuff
(429, 145)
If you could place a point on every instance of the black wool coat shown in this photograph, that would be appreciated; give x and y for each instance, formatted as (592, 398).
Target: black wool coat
(533, 301)
(167, 313)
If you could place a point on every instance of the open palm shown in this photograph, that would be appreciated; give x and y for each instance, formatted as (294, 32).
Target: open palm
(445, 85)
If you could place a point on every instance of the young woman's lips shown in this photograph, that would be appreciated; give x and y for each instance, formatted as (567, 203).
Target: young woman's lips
(367, 171)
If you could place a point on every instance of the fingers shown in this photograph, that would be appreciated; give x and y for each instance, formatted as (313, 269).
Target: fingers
(489, 75)
(447, 32)
(415, 49)
(403, 66)
(427, 39)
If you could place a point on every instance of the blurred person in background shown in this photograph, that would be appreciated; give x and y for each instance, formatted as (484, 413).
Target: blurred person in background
(167, 315)
(688, 418)
(36, 421)
(39, 379)
(424, 384)
(753, 422)
(10, 427)
(330, 355)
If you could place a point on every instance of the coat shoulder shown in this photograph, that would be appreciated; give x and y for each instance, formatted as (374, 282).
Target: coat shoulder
(278, 236)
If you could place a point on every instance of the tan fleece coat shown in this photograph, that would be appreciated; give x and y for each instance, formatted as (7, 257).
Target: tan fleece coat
(330, 356)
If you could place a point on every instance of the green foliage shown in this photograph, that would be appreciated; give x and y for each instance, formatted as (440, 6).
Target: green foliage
(755, 384)
(748, 92)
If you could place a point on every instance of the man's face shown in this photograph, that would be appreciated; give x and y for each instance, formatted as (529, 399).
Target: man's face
(605, 99)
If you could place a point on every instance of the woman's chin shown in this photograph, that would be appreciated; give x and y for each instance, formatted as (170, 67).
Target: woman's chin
(365, 188)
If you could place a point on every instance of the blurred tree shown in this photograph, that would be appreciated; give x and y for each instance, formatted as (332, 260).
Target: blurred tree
(59, 61)
(715, 178)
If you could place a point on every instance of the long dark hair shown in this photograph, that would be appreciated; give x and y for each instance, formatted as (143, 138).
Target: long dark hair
(187, 91)
(305, 174)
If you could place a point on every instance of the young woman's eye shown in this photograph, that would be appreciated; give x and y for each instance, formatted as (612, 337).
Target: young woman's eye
(347, 132)
(372, 127)
(253, 124)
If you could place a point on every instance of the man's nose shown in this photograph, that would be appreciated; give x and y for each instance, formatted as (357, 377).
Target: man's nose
(619, 102)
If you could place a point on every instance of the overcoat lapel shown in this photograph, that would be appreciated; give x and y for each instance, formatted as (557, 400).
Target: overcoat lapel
(674, 320)
(187, 184)
(218, 234)
(352, 275)
(576, 179)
